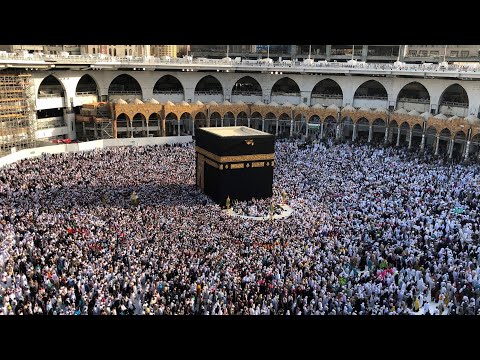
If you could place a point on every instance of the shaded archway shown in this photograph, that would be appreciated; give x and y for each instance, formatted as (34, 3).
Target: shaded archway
(417, 132)
(330, 128)
(327, 92)
(123, 125)
(314, 127)
(392, 132)
(459, 144)
(215, 119)
(124, 86)
(371, 94)
(404, 133)
(347, 128)
(430, 138)
(86, 86)
(284, 126)
(139, 125)
(200, 120)
(186, 124)
(299, 125)
(171, 125)
(246, 89)
(475, 146)
(256, 121)
(168, 88)
(363, 128)
(208, 89)
(454, 101)
(154, 125)
(242, 119)
(270, 123)
(51, 87)
(444, 141)
(228, 119)
(286, 90)
(378, 129)
(414, 96)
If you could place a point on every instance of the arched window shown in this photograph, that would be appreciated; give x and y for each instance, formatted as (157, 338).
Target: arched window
(94, 50)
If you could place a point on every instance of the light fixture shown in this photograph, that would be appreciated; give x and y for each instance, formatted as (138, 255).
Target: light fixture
(134, 68)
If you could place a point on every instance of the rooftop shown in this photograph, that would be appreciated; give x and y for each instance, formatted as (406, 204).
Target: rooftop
(234, 131)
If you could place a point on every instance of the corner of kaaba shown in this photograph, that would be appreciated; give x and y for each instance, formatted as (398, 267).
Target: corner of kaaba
(235, 162)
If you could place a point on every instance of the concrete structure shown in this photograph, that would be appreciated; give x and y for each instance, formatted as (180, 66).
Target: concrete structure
(287, 99)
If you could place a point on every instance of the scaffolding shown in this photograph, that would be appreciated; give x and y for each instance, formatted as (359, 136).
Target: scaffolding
(17, 112)
(94, 122)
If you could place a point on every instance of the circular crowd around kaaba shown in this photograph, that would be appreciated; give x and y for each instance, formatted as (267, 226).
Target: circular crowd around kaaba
(374, 230)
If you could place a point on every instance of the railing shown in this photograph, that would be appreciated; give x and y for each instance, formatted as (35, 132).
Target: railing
(413, 100)
(168, 92)
(281, 93)
(247, 93)
(209, 92)
(327, 96)
(369, 97)
(104, 60)
(86, 93)
(454, 104)
(118, 92)
(50, 95)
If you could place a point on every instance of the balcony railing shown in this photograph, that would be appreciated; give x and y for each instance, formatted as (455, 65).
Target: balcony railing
(281, 93)
(454, 104)
(86, 93)
(168, 92)
(247, 93)
(413, 100)
(370, 97)
(327, 96)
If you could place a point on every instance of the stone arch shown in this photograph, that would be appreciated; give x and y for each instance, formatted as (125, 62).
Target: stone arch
(256, 120)
(270, 123)
(200, 120)
(378, 129)
(454, 101)
(248, 87)
(285, 90)
(417, 132)
(329, 127)
(284, 125)
(154, 124)
(242, 119)
(430, 137)
(124, 86)
(86, 86)
(51, 87)
(168, 88)
(414, 96)
(123, 125)
(138, 124)
(207, 89)
(327, 92)
(228, 119)
(363, 128)
(186, 123)
(215, 119)
(171, 124)
(371, 94)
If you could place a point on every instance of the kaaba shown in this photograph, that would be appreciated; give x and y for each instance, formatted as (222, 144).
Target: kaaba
(235, 162)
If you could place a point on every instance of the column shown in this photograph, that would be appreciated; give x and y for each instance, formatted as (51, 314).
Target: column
(306, 129)
(467, 149)
(370, 133)
(131, 128)
(276, 128)
(321, 131)
(354, 132)
(422, 144)
(328, 52)
(291, 128)
(337, 131)
(248, 121)
(235, 121)
(164, 127)
(178, 128)
(386, 134)
(84, 131)
(364, 52)
(143, 126)
(221, 121)
(193, 129)
(450, 152)
(436, 144)
(410, 138)
(95, 130)
(398, 136)
(263, 124)
(148, 129)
